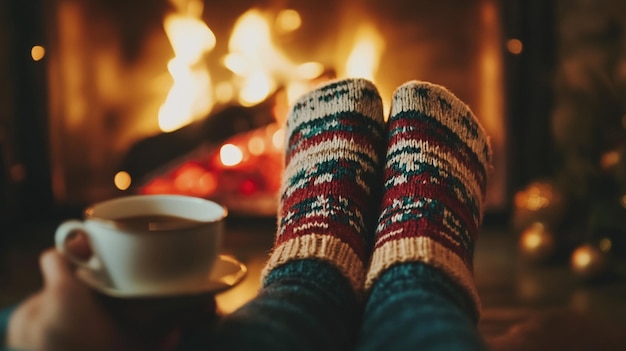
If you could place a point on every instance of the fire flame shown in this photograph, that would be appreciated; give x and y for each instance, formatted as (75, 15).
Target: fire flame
(258, 65)
(254, 58)
(364, 58)
(191, 39)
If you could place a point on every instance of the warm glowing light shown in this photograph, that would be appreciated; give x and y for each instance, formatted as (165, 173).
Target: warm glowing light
(589, 262)
(193, 179)
(365, 55)
(248, 187)
(623, 201)
(278, 138)
(288, 20)
(310, 70)
(514, 46)
(189, 97)
(605, 244)
(255, 59)
(158, 186)
(537, 242)
(187, 177)
(122, 180)
(609, 159)
(535, 198)
(581, 258)
(37, 52)
(236, 63)
(190, 37)
(207, 184)
(536, 202)
(251, 33)
(256, 145)
(533, 238)
(256, 88)
(224, 92)
(230, 155)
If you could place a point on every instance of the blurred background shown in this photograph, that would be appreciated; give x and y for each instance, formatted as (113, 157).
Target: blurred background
(109, 98)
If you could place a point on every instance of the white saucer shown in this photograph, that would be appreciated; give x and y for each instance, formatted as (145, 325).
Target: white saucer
(226, 273)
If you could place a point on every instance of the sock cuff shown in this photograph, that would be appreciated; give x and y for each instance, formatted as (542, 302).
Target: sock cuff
(322, 247)
(423, 249)
(359, 96)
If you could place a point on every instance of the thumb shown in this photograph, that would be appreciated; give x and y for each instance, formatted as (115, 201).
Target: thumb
(56, 270)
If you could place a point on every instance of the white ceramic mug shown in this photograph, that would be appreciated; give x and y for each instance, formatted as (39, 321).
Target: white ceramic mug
(174, 258)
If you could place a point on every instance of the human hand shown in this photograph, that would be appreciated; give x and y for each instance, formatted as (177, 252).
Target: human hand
(67, 315)
(64, 315)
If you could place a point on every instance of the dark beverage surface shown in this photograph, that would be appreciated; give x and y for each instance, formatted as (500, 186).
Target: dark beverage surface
(156, 222)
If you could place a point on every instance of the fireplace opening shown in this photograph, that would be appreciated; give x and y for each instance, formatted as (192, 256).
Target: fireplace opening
(189, 96)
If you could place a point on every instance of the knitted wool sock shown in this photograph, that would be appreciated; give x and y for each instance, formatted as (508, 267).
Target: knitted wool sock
(435, 177)
(303, 305)
(334, 146)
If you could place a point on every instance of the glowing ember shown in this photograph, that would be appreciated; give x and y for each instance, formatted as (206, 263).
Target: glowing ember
(187, 177)
(256, 145)
(230, 155)
(278, 138)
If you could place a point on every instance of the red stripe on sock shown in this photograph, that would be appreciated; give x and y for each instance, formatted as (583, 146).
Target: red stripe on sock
(436, 136)
(439, 192)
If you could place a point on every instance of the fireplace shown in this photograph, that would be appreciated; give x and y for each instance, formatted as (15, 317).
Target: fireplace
(132, 90)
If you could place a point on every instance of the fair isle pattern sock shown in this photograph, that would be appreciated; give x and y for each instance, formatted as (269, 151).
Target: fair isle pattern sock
(332, 178)
(435, 177)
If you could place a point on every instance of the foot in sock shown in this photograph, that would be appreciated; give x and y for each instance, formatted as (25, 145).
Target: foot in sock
(332, 178)
(435, 177)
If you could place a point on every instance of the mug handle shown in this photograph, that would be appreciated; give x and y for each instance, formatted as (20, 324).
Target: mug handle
(63, 232)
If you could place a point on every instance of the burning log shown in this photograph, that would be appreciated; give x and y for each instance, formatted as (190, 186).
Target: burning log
(150, 154)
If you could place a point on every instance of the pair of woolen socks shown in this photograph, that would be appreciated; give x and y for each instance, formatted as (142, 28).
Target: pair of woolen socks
(434, 176)
(366, 206)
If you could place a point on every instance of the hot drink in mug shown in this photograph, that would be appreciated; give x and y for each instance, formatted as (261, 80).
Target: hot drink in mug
(149, 244)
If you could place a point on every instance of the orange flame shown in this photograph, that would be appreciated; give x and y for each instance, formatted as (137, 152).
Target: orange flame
(191, 39)
(364, 58)
(254, 58)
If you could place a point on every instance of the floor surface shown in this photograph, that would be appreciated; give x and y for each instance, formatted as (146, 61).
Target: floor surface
(525, 307)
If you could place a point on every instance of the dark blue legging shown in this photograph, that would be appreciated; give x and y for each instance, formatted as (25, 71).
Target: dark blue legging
(308, 305)
(414, 306)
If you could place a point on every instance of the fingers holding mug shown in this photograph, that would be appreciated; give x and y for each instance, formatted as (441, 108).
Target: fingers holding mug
(78, 244)
(72, 241)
